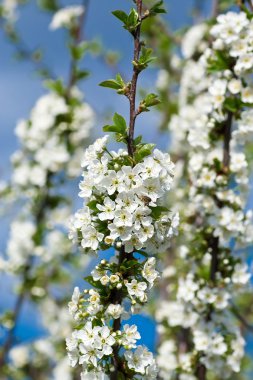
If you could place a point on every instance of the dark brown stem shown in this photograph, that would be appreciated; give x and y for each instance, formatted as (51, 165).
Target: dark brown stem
(214, 244)
(226, 144)
(136, 72)
(250, 5)
(118, 295)
(201, 372)
(215, 8)
(78, 36)
(117, 299)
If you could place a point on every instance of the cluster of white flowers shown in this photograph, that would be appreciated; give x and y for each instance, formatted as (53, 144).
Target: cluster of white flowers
(123, 208)
(122, 201)
(51, 143)
(66, 17)
(43, 139)
(213, 125)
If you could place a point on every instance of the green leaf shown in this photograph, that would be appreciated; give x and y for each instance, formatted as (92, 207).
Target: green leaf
(247, 11)
(120, 123)
(157, 211)
(232, 104)
(156, 8)
(137, 140)
(111, 83)
(55, 86)
(145, 58)
(94, 283)
(150, 101)
(119, 127)
(49, 5)
(110, 128)
(77, 51)
(92, 205)
(130, 21)
(121, 15)
(119, 80)
(81, 74)
(144, 151)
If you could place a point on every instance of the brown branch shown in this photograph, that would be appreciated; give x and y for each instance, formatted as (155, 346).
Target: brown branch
(215, 8)
(250, 5)
(117, 299)
(78, 36)
(226, 144)
(136, 72)
(118, 295)
(201, 372)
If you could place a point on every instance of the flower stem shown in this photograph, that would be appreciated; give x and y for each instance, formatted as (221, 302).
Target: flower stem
(136, 72)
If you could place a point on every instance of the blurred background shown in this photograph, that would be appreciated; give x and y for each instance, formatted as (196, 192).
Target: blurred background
(20, 87)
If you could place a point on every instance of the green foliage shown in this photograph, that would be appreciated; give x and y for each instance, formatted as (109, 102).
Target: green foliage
(219, 62)
(232, 104)
(116, 84)
(119, 125)
(49, 5)
(145, 58)
(157, 211)
(149, 101)
(157, 8)
(77, 51)
(142, 151)
(130, 21)
(56, 86)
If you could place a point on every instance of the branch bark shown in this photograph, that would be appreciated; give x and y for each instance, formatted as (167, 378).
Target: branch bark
(215, 8)
(136, 72)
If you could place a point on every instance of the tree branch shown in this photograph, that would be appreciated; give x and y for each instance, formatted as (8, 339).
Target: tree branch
(215, 8)
(136, 72)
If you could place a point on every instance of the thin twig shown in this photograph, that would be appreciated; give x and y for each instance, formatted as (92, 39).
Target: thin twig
(215, 8)
(136, 72)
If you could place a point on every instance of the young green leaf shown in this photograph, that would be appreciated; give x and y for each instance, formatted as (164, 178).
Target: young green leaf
(150, 101)
(121, 15)
(144, 151)
(156, 8)
(120, 123)
(57, 86)
(111, 83)
(145, 58)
